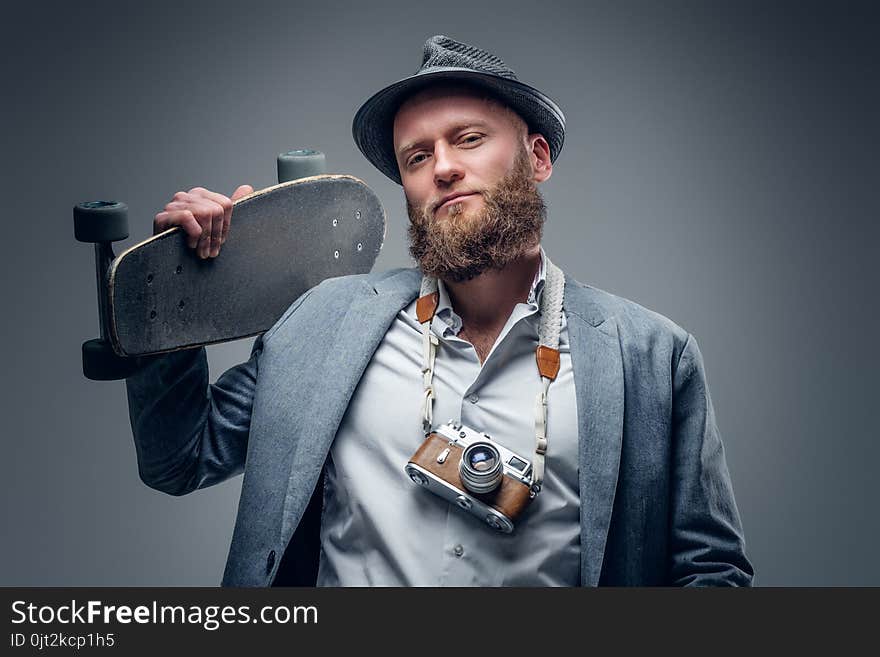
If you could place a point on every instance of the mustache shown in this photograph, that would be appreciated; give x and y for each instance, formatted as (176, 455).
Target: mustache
(433, 205)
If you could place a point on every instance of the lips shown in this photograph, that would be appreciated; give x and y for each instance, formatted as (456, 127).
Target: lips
(453, 198)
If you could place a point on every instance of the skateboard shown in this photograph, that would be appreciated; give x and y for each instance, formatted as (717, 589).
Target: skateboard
(159, 296)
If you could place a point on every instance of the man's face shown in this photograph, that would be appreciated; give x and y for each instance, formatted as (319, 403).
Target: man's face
(469, 172)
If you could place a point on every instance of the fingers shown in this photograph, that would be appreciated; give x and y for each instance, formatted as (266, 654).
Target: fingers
(220, 208)
(204, 215)
(242, 190)
(179, 217)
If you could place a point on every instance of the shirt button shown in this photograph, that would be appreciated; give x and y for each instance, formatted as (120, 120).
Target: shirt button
(473, 399)
(459, 550)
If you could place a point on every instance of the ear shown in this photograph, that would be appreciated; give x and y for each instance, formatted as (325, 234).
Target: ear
(539, 155)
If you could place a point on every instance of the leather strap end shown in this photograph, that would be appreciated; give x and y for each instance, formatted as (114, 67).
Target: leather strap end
(548, 361)
(426, 306)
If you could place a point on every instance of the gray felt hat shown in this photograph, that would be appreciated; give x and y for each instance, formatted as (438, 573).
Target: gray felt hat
(448, 60)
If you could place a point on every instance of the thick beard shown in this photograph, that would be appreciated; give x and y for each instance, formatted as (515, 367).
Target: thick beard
(464, 245)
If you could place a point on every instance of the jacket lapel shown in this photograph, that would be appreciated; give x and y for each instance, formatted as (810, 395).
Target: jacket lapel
(598, 377)
(359, 334)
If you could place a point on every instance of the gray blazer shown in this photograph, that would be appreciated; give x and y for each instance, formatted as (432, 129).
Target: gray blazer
(656, 501)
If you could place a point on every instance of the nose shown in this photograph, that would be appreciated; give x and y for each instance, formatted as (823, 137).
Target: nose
(447, 169)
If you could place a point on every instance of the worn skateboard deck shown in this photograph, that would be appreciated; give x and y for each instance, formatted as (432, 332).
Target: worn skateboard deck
(282, 241)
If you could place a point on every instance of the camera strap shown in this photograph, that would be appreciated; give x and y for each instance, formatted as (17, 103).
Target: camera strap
(546, 355)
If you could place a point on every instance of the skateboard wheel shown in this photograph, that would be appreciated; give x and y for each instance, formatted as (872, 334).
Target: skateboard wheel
(101, 363)
(302, 163)
(100, 221)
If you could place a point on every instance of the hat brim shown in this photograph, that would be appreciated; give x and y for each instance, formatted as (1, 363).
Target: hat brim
(373, 124)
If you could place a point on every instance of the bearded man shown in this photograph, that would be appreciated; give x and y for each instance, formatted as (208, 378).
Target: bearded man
(602, 404)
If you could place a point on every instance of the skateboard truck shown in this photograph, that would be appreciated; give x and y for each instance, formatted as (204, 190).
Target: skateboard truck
(105, 222)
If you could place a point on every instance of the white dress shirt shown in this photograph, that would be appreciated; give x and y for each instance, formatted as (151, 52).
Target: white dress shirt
(380, 529)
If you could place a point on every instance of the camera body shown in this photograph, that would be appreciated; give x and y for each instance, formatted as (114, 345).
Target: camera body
(469, 469)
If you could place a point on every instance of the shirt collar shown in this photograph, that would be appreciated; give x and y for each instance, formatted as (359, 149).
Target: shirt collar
(453, 321)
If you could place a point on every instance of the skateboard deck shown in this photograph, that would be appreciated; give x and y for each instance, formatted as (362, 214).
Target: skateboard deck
(282, 241)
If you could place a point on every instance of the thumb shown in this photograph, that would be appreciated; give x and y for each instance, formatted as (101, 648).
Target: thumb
(243, 190)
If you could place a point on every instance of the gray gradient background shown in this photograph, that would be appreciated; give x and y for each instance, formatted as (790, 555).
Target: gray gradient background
(720, 166)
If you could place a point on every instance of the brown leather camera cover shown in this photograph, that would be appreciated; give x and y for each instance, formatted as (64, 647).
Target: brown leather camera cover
(510, 498)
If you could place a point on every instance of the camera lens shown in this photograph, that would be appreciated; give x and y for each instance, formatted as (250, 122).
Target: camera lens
(482, 459)
(481, 468)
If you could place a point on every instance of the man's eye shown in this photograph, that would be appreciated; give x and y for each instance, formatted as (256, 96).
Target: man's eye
(415, 159)
(472, 139)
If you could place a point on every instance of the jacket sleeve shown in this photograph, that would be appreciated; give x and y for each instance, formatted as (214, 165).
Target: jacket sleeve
(189, 434)
(707, 546)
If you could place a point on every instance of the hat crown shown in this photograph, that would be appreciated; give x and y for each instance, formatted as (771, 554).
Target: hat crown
(447, 61)
(442, 52)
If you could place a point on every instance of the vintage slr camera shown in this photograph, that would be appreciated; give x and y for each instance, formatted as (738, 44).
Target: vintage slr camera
(473, 471)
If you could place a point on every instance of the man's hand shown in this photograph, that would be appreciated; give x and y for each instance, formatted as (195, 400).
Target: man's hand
(203, 214)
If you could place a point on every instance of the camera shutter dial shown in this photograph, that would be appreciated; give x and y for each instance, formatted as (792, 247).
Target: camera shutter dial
(417, 477)
(500, 524)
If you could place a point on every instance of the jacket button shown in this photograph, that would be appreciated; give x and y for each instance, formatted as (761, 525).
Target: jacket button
(270, 561)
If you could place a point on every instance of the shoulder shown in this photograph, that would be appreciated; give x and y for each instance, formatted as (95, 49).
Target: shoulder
(356, 282)
(330, 299)
(640, 330)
